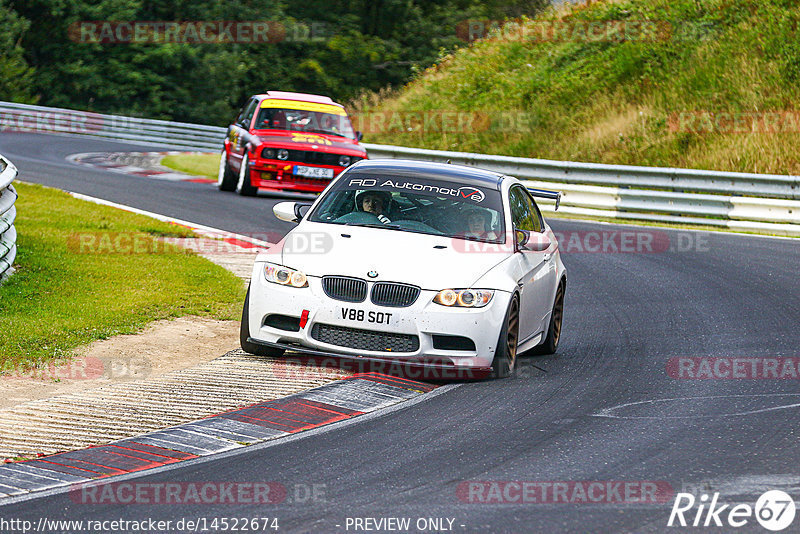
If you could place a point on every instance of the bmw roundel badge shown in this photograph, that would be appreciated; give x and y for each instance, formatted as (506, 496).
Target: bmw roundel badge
(372, 274)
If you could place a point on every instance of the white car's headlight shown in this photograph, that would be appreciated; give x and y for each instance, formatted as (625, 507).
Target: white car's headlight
(464, 298)
(278, 274)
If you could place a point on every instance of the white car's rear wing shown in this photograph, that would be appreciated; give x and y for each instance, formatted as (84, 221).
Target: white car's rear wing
(544, 193)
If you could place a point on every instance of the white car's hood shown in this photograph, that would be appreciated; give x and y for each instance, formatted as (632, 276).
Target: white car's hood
(431, 262)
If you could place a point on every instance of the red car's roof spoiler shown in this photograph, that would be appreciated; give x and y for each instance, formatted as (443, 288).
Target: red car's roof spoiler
(302, 97)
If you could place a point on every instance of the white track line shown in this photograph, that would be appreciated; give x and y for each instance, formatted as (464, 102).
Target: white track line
(201, 229)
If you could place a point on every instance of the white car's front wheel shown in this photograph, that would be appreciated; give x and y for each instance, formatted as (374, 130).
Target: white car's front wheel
(505, 355)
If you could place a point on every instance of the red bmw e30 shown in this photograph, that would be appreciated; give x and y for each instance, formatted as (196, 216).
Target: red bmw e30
(287, 141)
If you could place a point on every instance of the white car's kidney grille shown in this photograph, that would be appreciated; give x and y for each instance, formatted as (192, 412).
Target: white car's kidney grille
(345, 288)
(394, 295)
(355, 338)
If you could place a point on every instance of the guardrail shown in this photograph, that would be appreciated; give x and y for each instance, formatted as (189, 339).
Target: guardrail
(27, 118)
(8, 213)
(740, 201)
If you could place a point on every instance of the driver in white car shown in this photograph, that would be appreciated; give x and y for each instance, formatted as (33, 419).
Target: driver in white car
(374, 202)
(479, 224)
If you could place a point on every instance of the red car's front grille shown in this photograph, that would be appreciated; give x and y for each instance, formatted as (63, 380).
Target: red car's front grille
(317, 158)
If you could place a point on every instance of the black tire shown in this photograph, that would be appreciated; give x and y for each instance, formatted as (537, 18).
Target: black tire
(550, 344)
(505, 356)
(244, 333)
(243, 185)
(226, 179)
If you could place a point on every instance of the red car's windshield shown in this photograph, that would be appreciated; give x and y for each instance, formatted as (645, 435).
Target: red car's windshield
(304, 121)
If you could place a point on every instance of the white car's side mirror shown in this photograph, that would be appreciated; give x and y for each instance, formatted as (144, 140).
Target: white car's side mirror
(533, 241)
(290, 211)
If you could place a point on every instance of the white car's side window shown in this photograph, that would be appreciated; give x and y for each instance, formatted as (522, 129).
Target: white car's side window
(524, 214)
(537, 214)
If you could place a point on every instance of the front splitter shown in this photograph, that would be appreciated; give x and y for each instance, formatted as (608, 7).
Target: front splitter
(411, 369)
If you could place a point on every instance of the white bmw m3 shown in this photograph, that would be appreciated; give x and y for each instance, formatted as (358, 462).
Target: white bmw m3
(438, 265)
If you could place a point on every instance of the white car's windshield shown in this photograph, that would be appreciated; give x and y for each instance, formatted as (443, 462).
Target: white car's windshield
(418, 205)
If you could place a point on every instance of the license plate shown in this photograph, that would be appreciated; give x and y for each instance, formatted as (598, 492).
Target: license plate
(313, 172)
(366, 316)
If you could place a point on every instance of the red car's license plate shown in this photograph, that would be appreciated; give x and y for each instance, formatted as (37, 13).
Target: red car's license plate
(313, 172)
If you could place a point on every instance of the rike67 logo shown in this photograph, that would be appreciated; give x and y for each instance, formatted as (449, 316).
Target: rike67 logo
(774, 510)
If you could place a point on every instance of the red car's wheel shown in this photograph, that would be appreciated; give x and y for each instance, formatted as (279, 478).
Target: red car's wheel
(226, 179)
(243, 186)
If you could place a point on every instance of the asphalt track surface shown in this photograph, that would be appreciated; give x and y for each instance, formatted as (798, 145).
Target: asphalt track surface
(40, 159)
(627, 315)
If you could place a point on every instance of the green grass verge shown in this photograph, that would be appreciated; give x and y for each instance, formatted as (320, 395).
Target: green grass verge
(195, 164)
(74, 286)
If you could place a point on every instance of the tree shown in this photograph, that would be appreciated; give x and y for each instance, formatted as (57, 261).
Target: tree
(365, 45)
(16, 77)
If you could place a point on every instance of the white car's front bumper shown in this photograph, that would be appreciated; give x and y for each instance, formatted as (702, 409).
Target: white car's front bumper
(422, 320)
